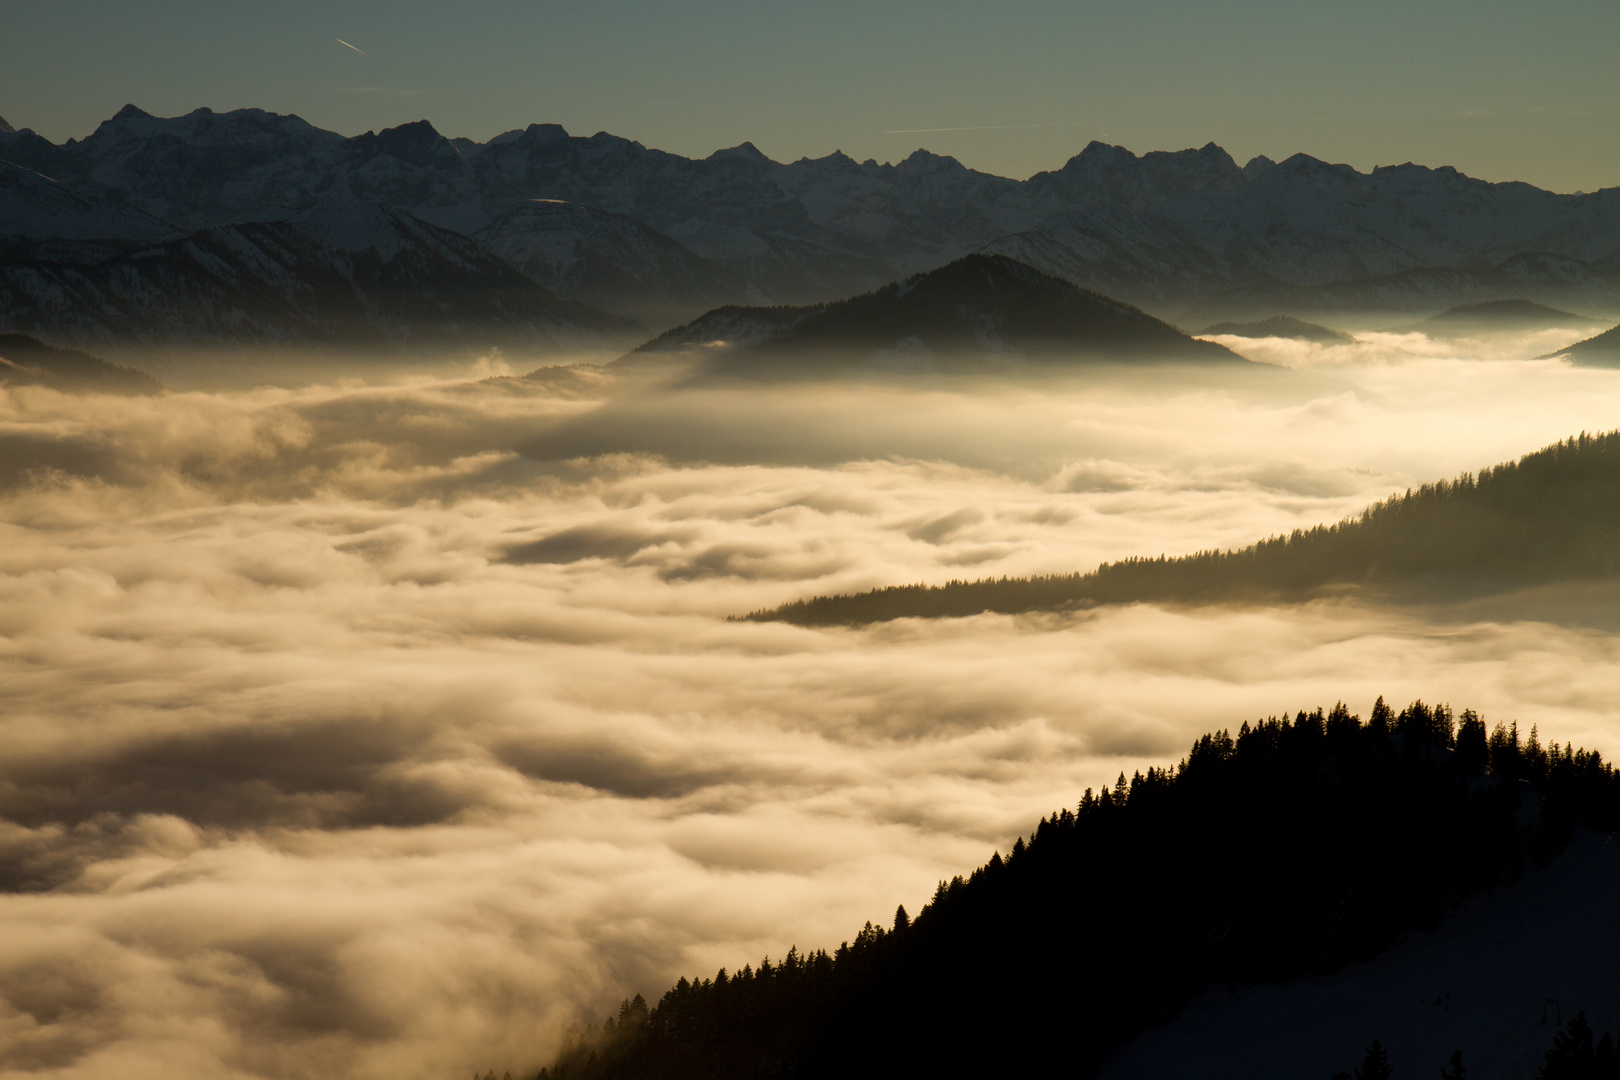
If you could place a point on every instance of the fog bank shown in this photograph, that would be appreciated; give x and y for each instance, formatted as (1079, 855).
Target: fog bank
(364, 730)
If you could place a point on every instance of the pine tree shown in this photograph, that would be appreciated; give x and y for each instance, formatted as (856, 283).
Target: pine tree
(1572, 1056)
(1375, 1066)
(1456, 1071)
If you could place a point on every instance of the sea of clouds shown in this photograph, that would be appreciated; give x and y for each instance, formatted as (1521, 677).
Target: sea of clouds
(386, 728)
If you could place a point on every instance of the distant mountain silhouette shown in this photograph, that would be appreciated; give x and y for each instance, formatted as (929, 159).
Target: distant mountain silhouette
(25, 361)
(1419, 292)
(1280, 326)
(1294, 848)
(1553, 515)
(975, 314)
(1499, 315)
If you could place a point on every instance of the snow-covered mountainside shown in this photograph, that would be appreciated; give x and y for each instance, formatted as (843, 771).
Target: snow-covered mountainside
(1493, 982)
(611, 261)
(337, 273)
(36, 211)
(1162, 230)
(974, 314)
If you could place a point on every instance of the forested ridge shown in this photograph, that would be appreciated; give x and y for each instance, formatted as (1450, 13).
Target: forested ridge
(1295, 847)
(1552, 515)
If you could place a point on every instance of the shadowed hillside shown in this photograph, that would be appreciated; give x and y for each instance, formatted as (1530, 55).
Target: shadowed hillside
(977, 313)
(1553, 515)
(1496, 315)
(1297, 847)
(1281, 326)
(1601, 351)
(27, 362)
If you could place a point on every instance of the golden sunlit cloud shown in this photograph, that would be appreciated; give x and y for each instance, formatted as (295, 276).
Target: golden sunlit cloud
(344, 738)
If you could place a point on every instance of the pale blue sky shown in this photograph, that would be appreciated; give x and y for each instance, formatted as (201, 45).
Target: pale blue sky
(1502, 90)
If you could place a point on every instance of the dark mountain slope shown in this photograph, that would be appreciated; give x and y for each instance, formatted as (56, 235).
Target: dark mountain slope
(1548, 279)
(980, 311)
(1499, 315)
(27, 362)
(1297, 847)
(336, 273)
(1602, 351)
(1510, 312)
(1551, 516)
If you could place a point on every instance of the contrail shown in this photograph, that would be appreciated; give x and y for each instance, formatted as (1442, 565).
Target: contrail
(985, 127)
(362, 52)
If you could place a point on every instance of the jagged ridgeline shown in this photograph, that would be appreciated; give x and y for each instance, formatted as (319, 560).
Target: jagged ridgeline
(1297, 847)
(1553, 515)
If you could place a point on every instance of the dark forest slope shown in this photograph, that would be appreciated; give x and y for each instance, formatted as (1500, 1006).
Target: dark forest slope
(1601, 351)
(27, 362)
(977, 312)
(1297, 847)
(1554, 515)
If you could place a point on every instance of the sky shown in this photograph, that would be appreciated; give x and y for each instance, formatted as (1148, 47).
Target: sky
(1502, 90)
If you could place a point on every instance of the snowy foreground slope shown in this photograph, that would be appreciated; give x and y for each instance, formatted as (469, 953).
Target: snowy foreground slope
(1481, 983)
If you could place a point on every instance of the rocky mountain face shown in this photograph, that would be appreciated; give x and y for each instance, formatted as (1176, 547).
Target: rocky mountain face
(611, 261)
(657, 236)
(350, 274)
(41, 219)
(979, 313)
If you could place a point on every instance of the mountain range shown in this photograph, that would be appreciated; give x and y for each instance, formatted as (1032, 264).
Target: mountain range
(654, 237)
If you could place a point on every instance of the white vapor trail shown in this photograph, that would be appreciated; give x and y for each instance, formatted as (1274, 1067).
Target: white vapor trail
(346, 45)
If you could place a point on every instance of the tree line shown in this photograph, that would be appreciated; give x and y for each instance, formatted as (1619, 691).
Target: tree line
(1576, 1053)
(1296, 846)
(1552, 515)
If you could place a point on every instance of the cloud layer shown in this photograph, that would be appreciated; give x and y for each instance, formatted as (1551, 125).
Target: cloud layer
(385, 730)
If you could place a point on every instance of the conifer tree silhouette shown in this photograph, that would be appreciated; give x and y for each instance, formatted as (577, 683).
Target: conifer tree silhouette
(1375, 1066)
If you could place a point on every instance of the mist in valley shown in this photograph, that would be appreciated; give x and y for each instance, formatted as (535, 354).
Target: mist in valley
(388, 722)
